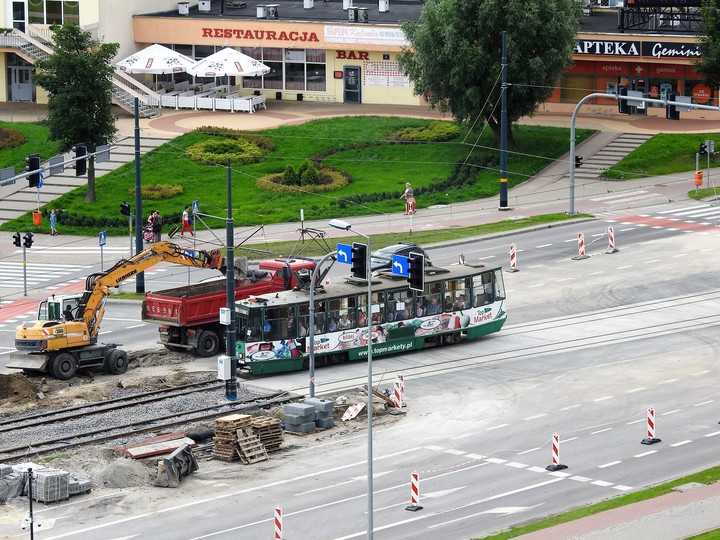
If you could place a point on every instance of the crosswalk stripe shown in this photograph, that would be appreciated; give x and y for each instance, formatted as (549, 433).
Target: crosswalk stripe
(677, 211)
(616, 195)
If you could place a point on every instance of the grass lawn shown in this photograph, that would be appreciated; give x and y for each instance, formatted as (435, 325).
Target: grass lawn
(36, 142)
(359, 146)
(665, 153)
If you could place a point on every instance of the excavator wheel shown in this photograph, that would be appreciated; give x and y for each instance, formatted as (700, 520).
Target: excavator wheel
(116, 362)
(208, 344)
(64, 366)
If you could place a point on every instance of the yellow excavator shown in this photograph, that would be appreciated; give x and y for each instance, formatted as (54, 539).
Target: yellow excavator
(64, 338)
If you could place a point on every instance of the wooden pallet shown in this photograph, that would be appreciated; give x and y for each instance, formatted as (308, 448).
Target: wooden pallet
(249, 448)
(226, 428)
(268, 431)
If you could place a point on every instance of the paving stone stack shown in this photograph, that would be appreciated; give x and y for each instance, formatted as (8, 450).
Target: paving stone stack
(323, 412)
(50, 485)
(226, 435)
(299, 417)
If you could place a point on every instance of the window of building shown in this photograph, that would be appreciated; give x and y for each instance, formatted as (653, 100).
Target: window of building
(290, 69)
(53, 12)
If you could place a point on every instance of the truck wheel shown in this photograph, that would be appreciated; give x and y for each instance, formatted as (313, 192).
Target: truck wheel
(64, 366)
(116, 362)
(208, 344)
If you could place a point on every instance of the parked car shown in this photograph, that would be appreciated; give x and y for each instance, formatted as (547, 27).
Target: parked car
(382, 258)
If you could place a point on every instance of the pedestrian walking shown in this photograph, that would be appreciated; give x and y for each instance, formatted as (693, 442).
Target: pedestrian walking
(53, 222)
(186, 222)
(157, 224)
(409, 199)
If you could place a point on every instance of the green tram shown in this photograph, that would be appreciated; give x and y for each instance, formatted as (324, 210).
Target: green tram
(461, 301)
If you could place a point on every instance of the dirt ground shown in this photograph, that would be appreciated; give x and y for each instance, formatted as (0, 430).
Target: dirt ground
(109, 467)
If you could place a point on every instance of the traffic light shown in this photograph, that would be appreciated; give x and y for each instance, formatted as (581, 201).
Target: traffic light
(124, 208)
(33, 166)
(416, 271)
(81, 164)
(623, 107)
(578, 161)
(358, 261)
(28, 240)
(16, 239)
(703, 149)
(671, 111)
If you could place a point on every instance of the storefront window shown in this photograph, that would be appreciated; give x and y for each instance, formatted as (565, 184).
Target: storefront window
(290, 69)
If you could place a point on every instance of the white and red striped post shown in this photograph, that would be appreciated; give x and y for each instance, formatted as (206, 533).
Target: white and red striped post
(651, 438)
(513, 258)
(611, 241)
(581, 247)
(398, 396)
(414, 493)
(278, 523)
(556, 465)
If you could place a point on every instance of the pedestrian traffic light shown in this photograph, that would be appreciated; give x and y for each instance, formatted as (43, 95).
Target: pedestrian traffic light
(124, 208)
(623, 107)
(16, 239)
(703, 149)
(416, 271)
(28, 240)
(358, 261)
(671, 110)
(33, 166)
(81, 164)
(578, 161)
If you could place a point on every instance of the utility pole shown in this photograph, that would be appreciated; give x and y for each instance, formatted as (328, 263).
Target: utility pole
(503, 128)
(231, 386)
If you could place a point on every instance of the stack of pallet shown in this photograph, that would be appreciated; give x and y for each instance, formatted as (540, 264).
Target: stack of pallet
(249, 447)
(268, 431)
(226, 428)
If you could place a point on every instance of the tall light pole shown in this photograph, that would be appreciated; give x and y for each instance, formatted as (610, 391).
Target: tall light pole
(311, 322)
(345, 226)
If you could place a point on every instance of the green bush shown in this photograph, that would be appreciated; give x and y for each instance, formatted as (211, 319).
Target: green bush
(328, 180)
(290, 177)
(262, 141)
(158, 192)
(218, 151)
(10, 138)
(310, 177)
(439, 131)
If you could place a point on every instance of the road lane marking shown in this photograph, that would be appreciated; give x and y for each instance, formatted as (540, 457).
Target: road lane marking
(600, 431)
(608, 464)
(646, 453)
(681, 443)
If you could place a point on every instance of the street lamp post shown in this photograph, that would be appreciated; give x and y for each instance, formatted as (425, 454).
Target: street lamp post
(345, 226)
(311, 323)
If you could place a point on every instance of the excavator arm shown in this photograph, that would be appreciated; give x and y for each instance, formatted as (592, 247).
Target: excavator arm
(97, 286)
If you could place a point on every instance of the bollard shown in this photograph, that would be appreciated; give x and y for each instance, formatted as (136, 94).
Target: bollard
(581, 248)
(461, 259)
(556, 465)
(278, 523)
(398, 396)
(414, 493)
(651, 438)
(611, 242)
(513, 258)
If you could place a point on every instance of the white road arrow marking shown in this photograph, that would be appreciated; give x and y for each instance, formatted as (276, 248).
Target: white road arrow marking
(438, 494)
(506, 510)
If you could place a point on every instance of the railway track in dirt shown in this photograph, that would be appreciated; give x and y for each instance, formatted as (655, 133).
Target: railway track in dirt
(125, 418)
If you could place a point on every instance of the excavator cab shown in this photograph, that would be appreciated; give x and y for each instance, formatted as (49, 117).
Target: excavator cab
(58, 308)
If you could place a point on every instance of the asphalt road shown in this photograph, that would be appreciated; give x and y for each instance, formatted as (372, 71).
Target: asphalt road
(590, 344)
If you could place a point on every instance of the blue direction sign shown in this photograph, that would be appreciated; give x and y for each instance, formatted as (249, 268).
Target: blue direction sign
(400, 265)
(195, 207)
(344, 253)
(102, 238)
(42, 177)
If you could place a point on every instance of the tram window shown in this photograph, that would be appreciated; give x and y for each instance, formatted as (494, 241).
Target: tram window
(377, 309)
(395, 306)
(482, 289)
(320, 317)
(303, 320)
(457, 294)
(499, 286)
(431, 301)
(276, 323)
(254, 327)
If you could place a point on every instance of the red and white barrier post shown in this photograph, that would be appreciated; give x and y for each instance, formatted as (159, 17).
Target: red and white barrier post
(581, 248)
(651, 438)
(556, 465)
(611, 242)
(398, 396)
(414, 493)
(513, 258)
(278, 523)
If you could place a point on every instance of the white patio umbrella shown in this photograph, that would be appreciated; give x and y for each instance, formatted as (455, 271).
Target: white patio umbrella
(228, 62)
(155, 59)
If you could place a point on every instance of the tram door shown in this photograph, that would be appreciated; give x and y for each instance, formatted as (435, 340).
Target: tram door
(351, 80)
(20, 86)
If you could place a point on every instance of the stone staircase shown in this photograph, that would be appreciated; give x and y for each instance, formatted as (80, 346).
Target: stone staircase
(18, 199)
(608, 156)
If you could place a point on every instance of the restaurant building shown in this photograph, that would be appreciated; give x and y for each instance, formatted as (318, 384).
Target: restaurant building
(346, 51)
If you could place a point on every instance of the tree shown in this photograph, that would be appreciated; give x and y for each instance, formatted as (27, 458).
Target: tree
(455, 53)
(709, 45)
(77, 77)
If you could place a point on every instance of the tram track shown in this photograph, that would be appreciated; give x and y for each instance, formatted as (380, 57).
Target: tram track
(151, 412)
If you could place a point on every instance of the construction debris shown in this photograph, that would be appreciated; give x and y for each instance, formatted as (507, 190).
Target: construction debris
(173, 468)
(226, 428)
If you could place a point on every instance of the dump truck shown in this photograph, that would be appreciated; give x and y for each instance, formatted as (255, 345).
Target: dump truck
(64, 337)
(189, 316)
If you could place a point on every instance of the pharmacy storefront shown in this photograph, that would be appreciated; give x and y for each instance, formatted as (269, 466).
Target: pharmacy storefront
(654, 67)
(308, 61)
